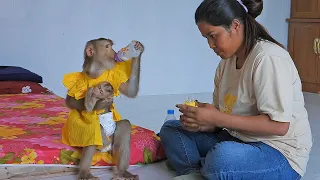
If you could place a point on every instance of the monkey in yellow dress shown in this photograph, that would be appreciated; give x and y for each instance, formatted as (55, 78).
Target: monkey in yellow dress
(82, 128)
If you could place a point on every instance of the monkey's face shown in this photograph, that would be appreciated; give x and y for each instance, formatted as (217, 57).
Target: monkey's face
(103, 90)
(104, 51)
(101, 51)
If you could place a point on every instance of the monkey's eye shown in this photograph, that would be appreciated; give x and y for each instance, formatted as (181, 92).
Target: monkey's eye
(108, 45)
(100, 90)
(106, 87)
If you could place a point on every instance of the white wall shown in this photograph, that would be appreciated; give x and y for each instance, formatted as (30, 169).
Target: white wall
(48, 37)
(274, 17)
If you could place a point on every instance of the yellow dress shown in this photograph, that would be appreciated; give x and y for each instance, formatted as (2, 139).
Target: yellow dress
(83, 128)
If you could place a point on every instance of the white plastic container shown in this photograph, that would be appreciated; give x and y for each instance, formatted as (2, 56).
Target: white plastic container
(170, 115)
(128, 52)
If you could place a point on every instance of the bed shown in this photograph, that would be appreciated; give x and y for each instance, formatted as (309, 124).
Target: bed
(31, 119)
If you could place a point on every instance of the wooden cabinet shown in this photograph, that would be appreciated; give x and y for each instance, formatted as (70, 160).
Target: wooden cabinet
(304, 42)
(305, 9)
(302, 49)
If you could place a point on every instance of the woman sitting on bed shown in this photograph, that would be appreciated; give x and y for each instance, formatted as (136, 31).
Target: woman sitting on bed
(257, 126)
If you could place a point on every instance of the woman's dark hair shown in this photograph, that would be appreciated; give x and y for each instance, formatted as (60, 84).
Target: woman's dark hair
(223, 12)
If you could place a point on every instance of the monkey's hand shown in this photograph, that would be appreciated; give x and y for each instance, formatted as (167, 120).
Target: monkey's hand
(139, 47)
(90, 101)
(103, 104)
(72, 103)
(109, 102)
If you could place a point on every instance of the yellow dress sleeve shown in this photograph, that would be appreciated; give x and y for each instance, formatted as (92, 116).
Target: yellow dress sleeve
(126, 67)
(75, 84)
(118, 76)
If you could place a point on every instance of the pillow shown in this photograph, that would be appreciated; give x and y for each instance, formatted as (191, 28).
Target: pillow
(21, 87)
(145, 148)
(12, 73)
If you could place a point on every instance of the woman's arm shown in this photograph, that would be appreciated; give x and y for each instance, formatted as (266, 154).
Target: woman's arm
(208, 116)
(260, 125)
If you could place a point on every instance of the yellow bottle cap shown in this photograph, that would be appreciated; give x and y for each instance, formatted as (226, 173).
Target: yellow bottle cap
(190, 103)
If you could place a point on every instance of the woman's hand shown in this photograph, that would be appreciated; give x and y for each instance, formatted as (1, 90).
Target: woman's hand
(197, 128)
(204, 115)
(189, 126)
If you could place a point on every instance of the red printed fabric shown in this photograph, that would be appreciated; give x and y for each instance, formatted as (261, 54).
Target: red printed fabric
(30, 133)
(22, 87)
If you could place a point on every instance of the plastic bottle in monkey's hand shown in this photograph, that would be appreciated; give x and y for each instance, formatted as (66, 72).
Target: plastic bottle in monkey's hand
(190, 102)
(132, 50)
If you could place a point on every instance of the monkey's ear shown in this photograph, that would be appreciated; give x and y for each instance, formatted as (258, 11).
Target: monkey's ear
(89, 50)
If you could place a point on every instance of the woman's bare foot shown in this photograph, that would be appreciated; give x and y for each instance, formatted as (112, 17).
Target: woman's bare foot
(87, 176)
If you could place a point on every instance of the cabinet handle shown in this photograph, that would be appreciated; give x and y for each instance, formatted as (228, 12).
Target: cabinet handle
(318, 46)
(315, 45)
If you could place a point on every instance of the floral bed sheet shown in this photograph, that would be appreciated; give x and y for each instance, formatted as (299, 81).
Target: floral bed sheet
(30, 133)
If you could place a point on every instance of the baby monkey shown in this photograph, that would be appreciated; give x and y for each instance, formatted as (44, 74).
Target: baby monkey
(115, 135)
(103, 91)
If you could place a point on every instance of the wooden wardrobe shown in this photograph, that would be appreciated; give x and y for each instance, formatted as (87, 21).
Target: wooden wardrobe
(304, 42)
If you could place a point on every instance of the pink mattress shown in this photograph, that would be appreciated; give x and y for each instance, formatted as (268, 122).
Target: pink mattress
(30, 133)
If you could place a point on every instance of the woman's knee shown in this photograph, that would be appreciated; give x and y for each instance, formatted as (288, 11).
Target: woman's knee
(169, 128)
(235, 159)
(171, 124)
(224, 157)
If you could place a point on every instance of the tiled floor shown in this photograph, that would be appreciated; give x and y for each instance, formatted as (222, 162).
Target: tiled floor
(152, 117)
(313, 106)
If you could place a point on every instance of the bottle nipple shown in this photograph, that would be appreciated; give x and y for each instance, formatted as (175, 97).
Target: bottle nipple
(117, 58)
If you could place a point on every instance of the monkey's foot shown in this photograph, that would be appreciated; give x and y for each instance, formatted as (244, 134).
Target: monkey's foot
(135, 177)
(126, 176)
(87, 176)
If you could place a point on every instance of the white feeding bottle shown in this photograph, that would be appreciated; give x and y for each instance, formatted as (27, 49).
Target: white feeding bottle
(128, 52)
